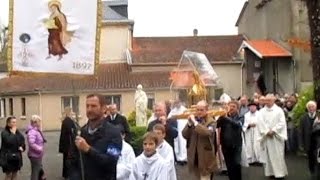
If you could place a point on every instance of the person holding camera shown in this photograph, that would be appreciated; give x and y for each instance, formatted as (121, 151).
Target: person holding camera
(171, 125)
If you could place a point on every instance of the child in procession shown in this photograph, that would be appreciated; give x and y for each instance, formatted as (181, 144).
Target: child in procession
(165, 150)
(125, 160)
(149, 165)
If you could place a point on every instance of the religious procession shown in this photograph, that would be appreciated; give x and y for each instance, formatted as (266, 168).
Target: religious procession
(146, 90)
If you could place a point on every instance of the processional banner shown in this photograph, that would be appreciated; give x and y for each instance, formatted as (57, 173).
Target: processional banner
(54, 36)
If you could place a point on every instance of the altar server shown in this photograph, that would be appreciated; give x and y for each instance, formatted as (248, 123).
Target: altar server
(165, 150)
(126, 160)
(251, 132)
(149, 165)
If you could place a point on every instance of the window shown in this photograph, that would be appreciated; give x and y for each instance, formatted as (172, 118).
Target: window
(23, 106)
(70, 101)
(2, 108)
(257, 64)
(10, 106)
(218, 92)
(150, 100)
(114, 99)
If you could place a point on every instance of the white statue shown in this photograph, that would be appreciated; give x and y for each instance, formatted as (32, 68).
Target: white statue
(141, 101)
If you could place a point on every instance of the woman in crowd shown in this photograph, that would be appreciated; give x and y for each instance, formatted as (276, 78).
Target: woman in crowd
(68, 133)
(36, 146)
(12, 146)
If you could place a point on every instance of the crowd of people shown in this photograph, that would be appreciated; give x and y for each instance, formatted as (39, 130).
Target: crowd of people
(254, 131)
(13, 145)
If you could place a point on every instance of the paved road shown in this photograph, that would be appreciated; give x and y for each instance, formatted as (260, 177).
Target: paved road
(53, 161)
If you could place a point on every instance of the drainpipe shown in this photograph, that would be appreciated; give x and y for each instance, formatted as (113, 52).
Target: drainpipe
(241, 77)
(294, 75)
(40, 106)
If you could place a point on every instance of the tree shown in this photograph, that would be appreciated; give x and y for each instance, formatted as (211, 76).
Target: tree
(313, 7)
(3, 42)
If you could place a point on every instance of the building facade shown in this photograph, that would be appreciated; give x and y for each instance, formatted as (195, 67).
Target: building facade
(125, 62)
(280, 22)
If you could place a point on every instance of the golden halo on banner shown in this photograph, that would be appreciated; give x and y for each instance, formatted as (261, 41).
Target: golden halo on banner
(54, 2)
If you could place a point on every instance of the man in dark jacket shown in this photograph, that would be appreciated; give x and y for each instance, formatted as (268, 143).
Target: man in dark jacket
(170, 124)
(306, 125)
(315, 149)
(231, 140)
(100, 144)
(117, 119)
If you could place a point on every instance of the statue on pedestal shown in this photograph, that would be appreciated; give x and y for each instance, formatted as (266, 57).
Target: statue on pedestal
(141, 103)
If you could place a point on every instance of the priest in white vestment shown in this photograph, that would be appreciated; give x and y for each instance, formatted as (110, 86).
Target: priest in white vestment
(149, 165)
(125, 161)
(272, 135)
(165, 150)
(177, 109)
(251, 133)
(180, 143)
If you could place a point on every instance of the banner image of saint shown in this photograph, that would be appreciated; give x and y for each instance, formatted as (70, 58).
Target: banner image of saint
(58, 37)
(57, 28)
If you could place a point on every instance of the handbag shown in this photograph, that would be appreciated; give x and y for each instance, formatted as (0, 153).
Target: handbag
(12, 156)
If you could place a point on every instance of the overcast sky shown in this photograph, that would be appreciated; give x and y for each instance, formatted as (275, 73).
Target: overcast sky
(175, 17)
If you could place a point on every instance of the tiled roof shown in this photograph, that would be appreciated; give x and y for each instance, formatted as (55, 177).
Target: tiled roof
(170, 49)
(266, 48)
(110, 77)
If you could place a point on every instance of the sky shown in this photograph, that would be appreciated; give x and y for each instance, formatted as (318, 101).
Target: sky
(175, 17)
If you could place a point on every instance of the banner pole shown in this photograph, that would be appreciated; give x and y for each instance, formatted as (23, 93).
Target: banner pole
(78, 130)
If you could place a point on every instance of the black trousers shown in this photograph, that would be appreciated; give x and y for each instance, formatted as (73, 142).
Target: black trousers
(65, 168)
(232, 157)
(312, 158)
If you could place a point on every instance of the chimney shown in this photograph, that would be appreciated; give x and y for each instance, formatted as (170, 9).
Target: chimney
(195, 32)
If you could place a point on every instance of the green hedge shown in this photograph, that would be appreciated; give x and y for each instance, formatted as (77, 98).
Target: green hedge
(136, 141)
(300, 108)
(137, 132)
(132, 117)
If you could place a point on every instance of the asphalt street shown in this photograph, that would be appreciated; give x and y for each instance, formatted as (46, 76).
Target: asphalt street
(297, 166)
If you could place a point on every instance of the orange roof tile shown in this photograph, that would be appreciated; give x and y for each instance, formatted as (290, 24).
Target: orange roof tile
(266, 48)
(169, 49)
(110, 77)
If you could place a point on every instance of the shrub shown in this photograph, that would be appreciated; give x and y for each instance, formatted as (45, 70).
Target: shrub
(137, 133)
(300, 108)
(132, 117)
